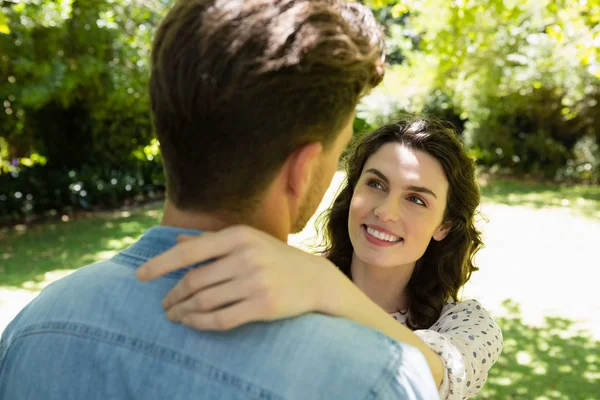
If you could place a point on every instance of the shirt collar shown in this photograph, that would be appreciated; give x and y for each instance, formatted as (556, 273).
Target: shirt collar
(153, 242)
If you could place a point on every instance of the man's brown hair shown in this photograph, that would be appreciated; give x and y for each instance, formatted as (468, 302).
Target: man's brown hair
(238, 85)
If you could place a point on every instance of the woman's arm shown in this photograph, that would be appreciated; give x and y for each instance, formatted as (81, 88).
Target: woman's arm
(469, 342)
(344, 299)
(254, 277)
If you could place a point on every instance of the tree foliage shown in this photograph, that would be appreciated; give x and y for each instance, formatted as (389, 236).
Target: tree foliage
(523, 76)
(73, 79)
(75, 127)
(520, 76)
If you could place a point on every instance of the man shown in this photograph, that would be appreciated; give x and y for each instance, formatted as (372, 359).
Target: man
(253, 103)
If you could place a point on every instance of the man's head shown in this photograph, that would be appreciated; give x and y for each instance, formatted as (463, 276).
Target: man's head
(239, 88)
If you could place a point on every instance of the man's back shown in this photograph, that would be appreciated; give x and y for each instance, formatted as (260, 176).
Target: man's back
(101, 334)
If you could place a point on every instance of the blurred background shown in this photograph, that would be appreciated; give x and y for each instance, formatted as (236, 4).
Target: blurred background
(80, 174)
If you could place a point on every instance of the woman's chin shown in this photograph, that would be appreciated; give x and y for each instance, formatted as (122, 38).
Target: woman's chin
(379, 259)
(375, 260)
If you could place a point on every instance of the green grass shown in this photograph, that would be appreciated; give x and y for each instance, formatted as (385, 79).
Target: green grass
(543, 362)
(582, 200)
(28, 253)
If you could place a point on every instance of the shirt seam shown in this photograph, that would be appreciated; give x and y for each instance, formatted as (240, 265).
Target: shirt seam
(387, 373)
(3, 352)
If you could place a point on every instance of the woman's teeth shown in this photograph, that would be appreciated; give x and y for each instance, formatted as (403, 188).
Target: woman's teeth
(383, 236)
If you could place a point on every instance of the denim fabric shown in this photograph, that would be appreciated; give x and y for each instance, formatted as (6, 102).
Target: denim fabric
(99, 333)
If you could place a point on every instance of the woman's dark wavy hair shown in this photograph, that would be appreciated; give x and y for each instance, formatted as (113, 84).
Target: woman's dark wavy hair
(446, 265)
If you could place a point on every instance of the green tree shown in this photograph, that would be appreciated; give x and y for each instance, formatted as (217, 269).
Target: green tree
(523, 75)
(73, 79)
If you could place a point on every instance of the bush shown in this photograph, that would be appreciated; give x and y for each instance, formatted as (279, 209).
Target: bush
(532, 136)
(584, 166)
(73, 80)
(39, 190)
(524, 77)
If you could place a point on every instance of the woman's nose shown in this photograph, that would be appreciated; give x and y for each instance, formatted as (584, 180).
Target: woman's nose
(387, 211)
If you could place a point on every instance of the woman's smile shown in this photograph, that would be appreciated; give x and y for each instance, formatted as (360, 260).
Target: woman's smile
(380, 237)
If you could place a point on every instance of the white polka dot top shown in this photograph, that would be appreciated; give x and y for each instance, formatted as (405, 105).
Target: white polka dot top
(468, 341)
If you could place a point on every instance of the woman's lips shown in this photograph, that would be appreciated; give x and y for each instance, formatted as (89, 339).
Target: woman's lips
(379, 242)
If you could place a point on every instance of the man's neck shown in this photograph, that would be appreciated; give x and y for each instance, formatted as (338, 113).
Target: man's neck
(175, 217)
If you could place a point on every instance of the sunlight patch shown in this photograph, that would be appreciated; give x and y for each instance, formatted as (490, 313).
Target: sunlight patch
(539, 370)
(105, 255)
(523, 358)
(49, 277)
(565, 369)
(152, 213)
(119, 244)
(591, 359)
(591, 376)
(504, 381)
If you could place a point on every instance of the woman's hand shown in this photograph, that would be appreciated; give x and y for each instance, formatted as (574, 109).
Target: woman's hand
(254, 277)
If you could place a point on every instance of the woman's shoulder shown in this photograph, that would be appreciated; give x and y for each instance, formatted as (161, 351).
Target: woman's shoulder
(463, 313)
(469, 342)
(462, 306)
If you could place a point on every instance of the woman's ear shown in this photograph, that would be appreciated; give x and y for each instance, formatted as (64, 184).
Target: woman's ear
(441, 231)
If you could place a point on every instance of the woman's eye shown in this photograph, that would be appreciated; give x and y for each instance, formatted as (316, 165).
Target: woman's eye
(417, 200)
(375, 184)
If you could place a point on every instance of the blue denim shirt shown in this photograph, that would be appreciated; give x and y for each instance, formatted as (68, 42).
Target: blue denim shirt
(99, 333)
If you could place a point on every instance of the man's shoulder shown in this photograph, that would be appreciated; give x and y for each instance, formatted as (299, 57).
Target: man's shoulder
(104, 306)
(86, 282)
(75, 294)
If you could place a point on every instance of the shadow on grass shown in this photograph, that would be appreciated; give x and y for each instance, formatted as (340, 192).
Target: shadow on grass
(583, 200)
(28, 254)
(547, 362)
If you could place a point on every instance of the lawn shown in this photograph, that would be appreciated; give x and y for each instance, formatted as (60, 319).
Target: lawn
(538, 273)
(28, 254)
(580, 200)
(32, 257)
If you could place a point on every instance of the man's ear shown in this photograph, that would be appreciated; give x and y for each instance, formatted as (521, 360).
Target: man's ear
(442, 231)
(301, 165)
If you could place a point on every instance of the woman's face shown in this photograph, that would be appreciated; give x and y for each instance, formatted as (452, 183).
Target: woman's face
(397, 206)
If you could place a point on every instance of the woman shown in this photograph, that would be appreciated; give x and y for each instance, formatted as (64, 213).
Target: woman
(401, 233)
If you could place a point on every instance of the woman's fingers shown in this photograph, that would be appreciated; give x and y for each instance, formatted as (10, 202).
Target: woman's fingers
(209, 300)
(214, 273)
(204, 247)
(218, 295)
(249, 310)
(177, 257)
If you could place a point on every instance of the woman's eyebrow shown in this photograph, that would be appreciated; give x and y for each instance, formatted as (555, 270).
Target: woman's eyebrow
(380, 174)
(420, 189)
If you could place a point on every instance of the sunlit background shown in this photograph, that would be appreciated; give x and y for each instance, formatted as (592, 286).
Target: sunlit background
(80, 174)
